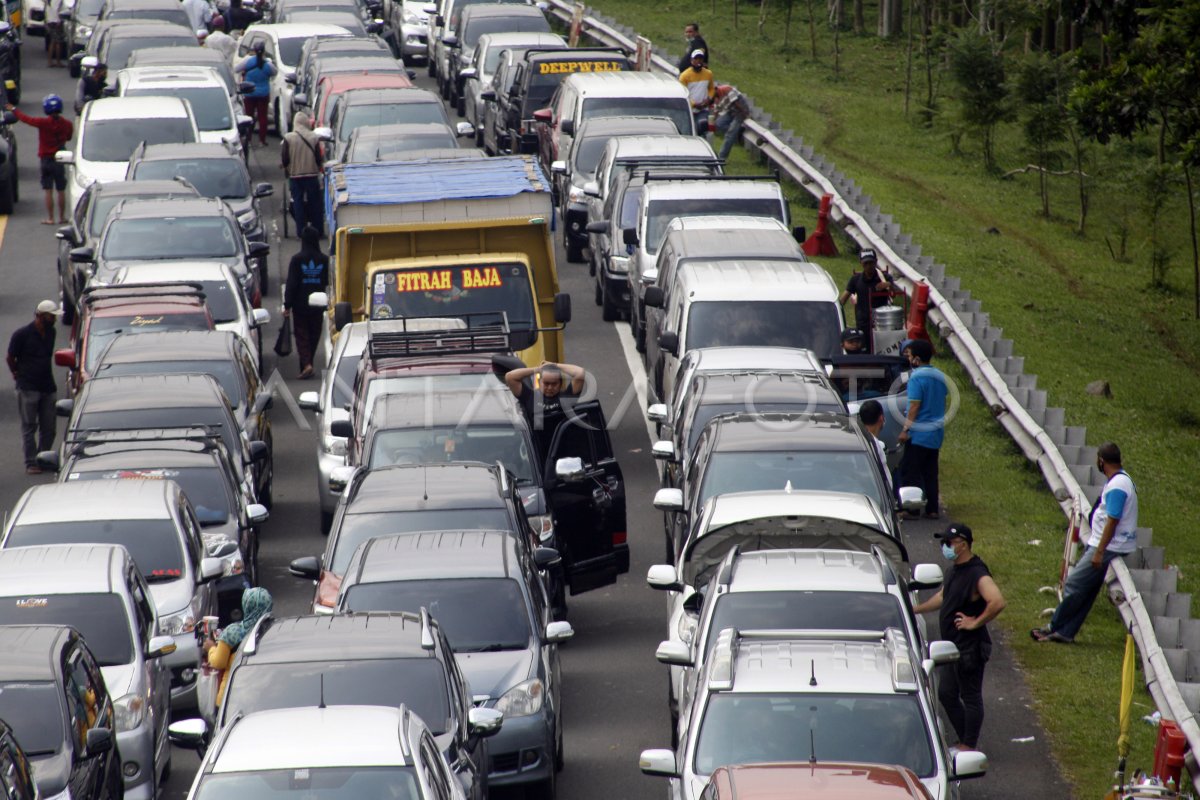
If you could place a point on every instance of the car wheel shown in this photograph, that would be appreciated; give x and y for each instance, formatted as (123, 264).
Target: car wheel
(14, 96)
(444, 88)
(166, 773)
(431, 66)
(546, 789)
(559, 760)
(460, 105)
(598, 294)
(72, 68)
(478, 136)
(278, 121)
(326, 522)
(7, 196)
(608, 309)
(264, 277)
(574, 251)
(639, 332)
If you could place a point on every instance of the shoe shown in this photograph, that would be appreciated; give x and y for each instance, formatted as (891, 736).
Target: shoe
(306, 373)
(33, 470)
(1047, 635)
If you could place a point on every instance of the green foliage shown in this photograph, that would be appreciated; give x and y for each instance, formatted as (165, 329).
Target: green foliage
(1044, 116)
(978, 70)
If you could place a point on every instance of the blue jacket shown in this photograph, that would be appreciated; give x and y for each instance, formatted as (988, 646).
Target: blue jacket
(259, 75)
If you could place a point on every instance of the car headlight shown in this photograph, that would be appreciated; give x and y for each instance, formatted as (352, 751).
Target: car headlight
(333, 445)
(81, 180)
(686, 627)
(130, 711)
(523, 699)
(176, 624)
(247, 219)
(576, 195)
(413, 18)
(543, 527)
(618, 264)
(84, 30)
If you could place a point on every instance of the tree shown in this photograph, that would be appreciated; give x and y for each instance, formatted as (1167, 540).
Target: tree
(978, 69)
(1045, 120)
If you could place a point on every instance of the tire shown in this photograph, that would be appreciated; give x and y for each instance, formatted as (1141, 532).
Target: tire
(14, 96)
(326, 522)
(574, 251)
(278, 122)
(598, 294)
(545, 790)
(609, 311)
(639, 332)
(73, 68)
(8, 195)
(264, 277)
(431, 67)
(460, 105)
(479, 137)
(444, 88)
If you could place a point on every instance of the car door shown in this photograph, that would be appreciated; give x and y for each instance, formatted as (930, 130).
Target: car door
(157, 677)
(87, 708)
(440, 782)
(588, 505)
(467, 755)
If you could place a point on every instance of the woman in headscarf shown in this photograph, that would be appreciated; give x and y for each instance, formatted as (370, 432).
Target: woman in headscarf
(256, 603)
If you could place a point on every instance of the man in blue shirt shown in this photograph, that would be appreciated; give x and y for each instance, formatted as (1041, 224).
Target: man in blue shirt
(924, 426)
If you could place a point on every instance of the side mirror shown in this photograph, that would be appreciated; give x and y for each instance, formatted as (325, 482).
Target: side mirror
(654, 297)
(82, 255)
(430, 11)
(669, 500)
(324, 133)
(558, 167)
(340, 477)
(568, 127)
(591, 188)
(222, 549)
(544, 557)
(257, 513)
(210, 569)
(657, 412)
(562, 308)
(569, 470)
(258, 249)
(599, 226)
(926, 576)
(341, 427)
(66, 233)
(64, 358)
(306, 567)
(543, 115)
(658, 762)
(48, 460)
(663, 450)
(559, 632)
(64, 157)
(10, 118)
(664, 578)
(263, 189)
(629, 237)
(300, 99)
(912, 499)
(450, 40)
(263, 402)
(799, 233)
(969, 764)
(318, 300)
(942, 652)
(259, 317)
(309, 401)
(464, 129)
(258, 451)
(63, 408)
(160, 646)
(468, 73)
(488, 96)
(99, 741)
(484, 722)
(188, 733)
(439, 20)
(669, 342)
(677, 654)
(289, 79)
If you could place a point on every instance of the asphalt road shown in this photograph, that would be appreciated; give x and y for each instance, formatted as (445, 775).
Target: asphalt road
(614, 692)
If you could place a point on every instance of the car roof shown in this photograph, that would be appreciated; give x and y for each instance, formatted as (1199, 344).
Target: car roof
(124, 5)
(169, 77)
(30, 652)
(174, 272)
(60, 569)
(192, 150)
(783, 359)
(308, 17)
(159, 391)
(172, 346)
(715, 238)
(831, 780)
(145, 188)
(384, 95)
(178, 57)
(135, 108)
(729, 509)
(661, 145)
(762, 387)
(134, 28)
(345, 82)
(500, 10)
(530, 39)
(726, 223)
(709, 187)
(144, 454)
(400, 129)
(411, 487)
(324, 637)
(804, 570)
(357, 736)
(625, 84)
(299, 30)
(786, 431)
(413, 410)
(82, 501)
(858, 667)
(173, 207)
(734, 280)
(435, 555)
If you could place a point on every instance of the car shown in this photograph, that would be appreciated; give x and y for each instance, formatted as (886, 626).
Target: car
(831, 779)
(98, 590)
(170, 401)
(664, 153)
(347, 20)
(446, 16)
(53, 696)
(87, 222)
(217, 120)
(156, 523)
(488, 593)
(10, 190)
(79, 25)
(792, 695)
(305, 78)
(113, 40)
(398, 660)
(283, 43)
(477, 20)
(400, 142)
(187, 58)
(363, 751)
(339, 76)
(106, 313)
(109, 129)
(32, 17)
(411, 19)
(217, 171)
(223, 295)
(579, 167)
(10, 57)
(179, 231)
(162, 10)
(383, 105)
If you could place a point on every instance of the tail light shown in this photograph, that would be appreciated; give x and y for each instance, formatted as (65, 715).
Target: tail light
(619, 537)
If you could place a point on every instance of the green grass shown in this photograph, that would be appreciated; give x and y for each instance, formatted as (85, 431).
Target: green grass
(1074, 312)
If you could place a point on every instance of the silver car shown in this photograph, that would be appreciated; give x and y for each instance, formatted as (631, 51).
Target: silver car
(98, 590)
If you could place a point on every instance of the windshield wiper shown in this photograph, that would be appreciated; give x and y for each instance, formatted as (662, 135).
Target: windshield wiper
(493, 648)
(163, 578)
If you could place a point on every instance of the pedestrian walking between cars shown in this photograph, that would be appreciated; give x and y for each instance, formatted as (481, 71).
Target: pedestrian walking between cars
(30, 353)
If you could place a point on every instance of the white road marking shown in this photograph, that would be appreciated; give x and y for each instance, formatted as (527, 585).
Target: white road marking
(637, 372)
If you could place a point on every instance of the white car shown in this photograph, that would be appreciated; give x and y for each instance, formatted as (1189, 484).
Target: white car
(414, 29)
(217, 119)
(109, 129)
(223, 294)
(33, 17)
(282, 43)
(477, 75)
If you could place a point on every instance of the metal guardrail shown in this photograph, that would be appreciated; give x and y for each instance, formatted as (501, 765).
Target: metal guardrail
(1033, 440)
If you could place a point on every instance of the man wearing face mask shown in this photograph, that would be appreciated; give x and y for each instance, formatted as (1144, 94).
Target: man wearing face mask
(968, 600)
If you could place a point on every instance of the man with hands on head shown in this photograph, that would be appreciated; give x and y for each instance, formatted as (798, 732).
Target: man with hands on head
(553, 382)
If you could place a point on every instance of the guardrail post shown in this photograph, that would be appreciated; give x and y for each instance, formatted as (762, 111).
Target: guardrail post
(645, 50)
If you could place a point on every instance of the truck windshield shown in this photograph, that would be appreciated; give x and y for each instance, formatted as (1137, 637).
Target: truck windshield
(454, 291)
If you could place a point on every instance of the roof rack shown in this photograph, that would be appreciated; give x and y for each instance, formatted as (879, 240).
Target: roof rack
(79, 439)
(250, 646)
(572, 50)
(636, 164)
(771, 178)
(124, 291)
(427, 640)
(474, 337)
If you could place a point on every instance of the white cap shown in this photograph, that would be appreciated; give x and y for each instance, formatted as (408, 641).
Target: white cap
(697, 53)
(49, 307)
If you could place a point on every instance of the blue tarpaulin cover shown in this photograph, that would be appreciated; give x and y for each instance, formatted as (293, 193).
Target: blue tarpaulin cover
(425, 180)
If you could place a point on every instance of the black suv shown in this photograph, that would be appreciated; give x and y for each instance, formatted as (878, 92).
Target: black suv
(362, 659)
(9, 190)
(53, 696)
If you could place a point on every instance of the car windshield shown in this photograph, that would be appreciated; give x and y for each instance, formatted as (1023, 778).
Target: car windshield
(814, 325)
(521, 24)
(760, 728)
(361, 115)
(358, 528)
(153, 543)
(851, 611)
(661, 212)
(173, 238)
(467, 381)
(629, 207)
(224, 178)
(29, 708)
(487, 444)
(805, 470)
(587, 155)
(115, 139)
(476, 614)
(120, 48)
(676, 109)
(206, 487)
(102, 330)
(101, 618)
(289, 49)
(366, 150)
(103, 203)
(419, 683)
(705, 414)
(224, 370)
(312, 783)
(176, 15)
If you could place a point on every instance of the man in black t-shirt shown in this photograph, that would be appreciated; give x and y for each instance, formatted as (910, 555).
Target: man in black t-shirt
(30, 354)
(968, 600)
(553, 383)
(862, 285)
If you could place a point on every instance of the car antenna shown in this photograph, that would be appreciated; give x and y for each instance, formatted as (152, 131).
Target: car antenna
(813, 680)
(425, 475)
(812, 747)
(322, 703)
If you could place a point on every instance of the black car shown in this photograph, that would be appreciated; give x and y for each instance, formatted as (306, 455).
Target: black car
(509, 124)
(9, 185)
(362, 659)
(87, 222)
(10, 57)
(112, 41)
(53, 699)
(475, 22)
(161, 10)
(16, 773)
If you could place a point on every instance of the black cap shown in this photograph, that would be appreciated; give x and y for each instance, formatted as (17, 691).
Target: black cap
(956, 531)
(867, 255)
(850, 334)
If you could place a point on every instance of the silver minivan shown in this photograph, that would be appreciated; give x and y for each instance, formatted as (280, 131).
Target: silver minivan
(155, 522)
(98, 590)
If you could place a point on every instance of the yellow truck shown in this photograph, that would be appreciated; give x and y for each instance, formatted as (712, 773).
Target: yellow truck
(467, 239)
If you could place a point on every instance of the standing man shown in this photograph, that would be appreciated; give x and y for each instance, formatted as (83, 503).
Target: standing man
(732, 112)
(54, 131)
(924, 425)
(691, 34)
(870, 414)
(258, 70)
(240, 17)
(55, 38)
(91, 85)
(200, 14)
(554, 382)
(219, 40)
(308, 272)
(1114, 535)
(702, 90)
(863, 286)
(302, 160)
(30, 353)
(968, 600)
